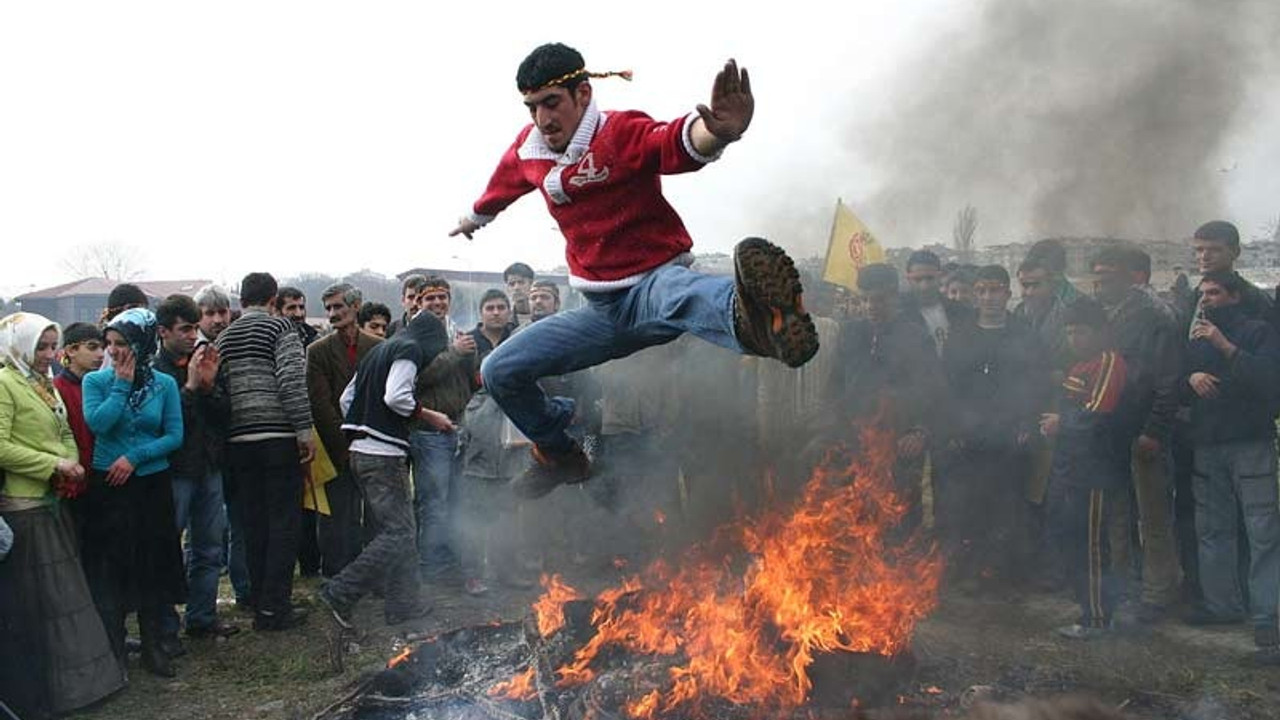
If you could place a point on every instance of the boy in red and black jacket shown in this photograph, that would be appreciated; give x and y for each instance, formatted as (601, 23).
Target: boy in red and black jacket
(1090, 463)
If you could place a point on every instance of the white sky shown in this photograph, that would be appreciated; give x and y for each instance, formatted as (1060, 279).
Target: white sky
(220, 138)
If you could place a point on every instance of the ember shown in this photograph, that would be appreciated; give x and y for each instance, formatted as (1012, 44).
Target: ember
(520, 687)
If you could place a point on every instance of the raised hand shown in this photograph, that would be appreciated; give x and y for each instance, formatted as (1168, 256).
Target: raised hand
(466, 226)
(202, 371)
(732, 104)
(126, 366)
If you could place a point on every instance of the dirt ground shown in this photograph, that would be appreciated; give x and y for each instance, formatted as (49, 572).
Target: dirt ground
(1000, 648)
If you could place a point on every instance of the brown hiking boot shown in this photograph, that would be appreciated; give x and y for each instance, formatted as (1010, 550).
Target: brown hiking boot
(768, 308)
(551, 470)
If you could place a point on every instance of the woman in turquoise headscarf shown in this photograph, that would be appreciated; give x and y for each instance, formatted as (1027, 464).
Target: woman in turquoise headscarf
(130, 544)
(55, 657)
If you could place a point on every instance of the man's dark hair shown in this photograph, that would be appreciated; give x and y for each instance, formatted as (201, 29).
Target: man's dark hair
(1230, 281)
(1112, 256)
(547, 285)
(415, 281)
(257, 289)
(177, 307)
(519, 270)
(433, 282)
(286, 293)
(1085, 311)
(1219, 231)
(963, 274)
(928, 258)
(549, 62)
(876, 277)
(1051, 253)
(369, 311)
(992, 273)
(1032, 264)
(127, 295)
(79, 332)
(1139, 260)
(493, 294)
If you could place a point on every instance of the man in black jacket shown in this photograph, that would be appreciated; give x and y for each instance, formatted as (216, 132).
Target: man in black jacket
(1233, 384)
(941, 315)
(197, 465)
(998, 376)
(1145, 336)
(378, 404)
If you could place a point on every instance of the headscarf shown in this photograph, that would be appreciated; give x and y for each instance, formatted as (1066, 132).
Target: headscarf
(19, 335)
(138, 327)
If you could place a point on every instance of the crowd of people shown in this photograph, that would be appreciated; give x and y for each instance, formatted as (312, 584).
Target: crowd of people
(1119, 443)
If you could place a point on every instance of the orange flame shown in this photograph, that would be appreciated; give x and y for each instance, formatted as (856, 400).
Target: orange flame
(520, 687)
(659, 517)
(400, 657)
(549, 608)
(822, 578)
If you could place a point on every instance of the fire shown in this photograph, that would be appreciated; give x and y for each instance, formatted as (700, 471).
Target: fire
(520, 687)
(744, 621)
(400, 657)
(549, 608)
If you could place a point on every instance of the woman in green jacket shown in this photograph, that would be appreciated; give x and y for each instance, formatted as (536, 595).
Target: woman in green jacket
(56, 657)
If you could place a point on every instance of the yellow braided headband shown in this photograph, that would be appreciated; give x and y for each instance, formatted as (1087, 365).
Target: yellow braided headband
(582, 72)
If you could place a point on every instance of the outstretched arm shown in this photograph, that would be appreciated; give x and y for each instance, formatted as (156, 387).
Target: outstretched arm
(732, 106)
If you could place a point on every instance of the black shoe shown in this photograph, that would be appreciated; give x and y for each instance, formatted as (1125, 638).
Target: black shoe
(171, 646)
(339, 613)
(1200, 616)
(769, 318)
(1266, 636)
(274, 622)
(550, 470)
(395, 617)
(218, 629)
(157, 661)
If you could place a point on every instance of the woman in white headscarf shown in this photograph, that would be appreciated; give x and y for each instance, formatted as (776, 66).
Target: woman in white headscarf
(56, 656)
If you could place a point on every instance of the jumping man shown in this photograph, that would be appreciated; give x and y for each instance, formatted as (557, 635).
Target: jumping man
(628, 251)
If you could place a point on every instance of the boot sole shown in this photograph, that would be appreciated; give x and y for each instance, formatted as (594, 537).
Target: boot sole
(767, 276)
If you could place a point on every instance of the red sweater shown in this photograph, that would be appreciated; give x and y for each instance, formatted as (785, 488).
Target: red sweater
(68, 385)
(605, 192)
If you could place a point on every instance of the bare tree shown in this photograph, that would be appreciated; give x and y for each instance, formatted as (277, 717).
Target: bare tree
(963, 231)
(112, 261)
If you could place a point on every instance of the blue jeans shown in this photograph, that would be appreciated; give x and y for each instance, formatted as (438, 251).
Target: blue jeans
(436, 467)
(1235, 482)
(198, 509)
(665, 304)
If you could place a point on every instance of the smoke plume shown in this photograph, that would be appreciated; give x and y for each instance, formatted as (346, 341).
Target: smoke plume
(1096, 117)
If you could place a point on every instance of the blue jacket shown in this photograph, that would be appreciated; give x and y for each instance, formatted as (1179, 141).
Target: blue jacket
(146, 436)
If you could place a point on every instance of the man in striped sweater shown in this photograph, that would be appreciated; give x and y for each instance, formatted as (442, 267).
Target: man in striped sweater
(269, 441)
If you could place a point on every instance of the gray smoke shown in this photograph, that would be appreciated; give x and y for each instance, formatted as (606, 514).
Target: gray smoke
(1095, 117)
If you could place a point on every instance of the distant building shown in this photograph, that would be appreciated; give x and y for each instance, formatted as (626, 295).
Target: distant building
(84, 300)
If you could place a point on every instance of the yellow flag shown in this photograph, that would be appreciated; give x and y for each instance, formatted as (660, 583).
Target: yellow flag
(852, 247)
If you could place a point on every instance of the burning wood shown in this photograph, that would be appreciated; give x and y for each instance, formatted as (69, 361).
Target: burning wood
(520, 687)
(744, 624)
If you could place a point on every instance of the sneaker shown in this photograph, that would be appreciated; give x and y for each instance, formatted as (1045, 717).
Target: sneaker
(217, 629)
(1201, 616)
(769, 318)
(340, 614)
(1082, 632)
(396, 617)
(550, 470)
